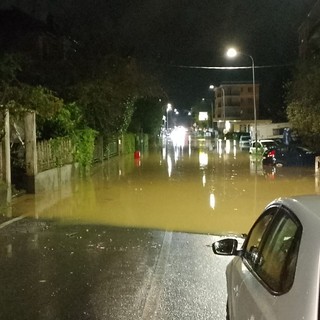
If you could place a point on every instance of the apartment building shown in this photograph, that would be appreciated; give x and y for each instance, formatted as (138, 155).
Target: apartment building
(309, 33)
(234, 105)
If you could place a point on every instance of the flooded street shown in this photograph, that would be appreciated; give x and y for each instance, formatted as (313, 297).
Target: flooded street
(133, 240)
(202, 187)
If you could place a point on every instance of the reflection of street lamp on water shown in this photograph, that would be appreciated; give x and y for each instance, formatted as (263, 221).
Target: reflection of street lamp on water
(232, 53)
(169, 108)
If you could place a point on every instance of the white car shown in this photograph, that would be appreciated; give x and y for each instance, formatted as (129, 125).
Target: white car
(262, 146)
(276, 273)
(245, 141)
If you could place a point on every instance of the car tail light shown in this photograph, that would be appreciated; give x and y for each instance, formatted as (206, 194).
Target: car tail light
(271, 154)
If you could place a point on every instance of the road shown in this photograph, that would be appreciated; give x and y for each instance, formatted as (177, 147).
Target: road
(133, 240)
(63, 271)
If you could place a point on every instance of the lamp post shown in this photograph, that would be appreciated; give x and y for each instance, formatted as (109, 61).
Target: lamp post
(211, 87)
(169, 108)
(231, 53)
(224, 105)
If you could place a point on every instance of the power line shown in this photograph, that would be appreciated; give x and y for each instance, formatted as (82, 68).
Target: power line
(231, 68)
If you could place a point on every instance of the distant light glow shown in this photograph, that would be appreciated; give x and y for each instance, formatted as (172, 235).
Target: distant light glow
(178, 136)
(203, 116)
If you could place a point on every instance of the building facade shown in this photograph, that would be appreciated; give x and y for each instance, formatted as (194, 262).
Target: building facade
(309, 33)
(234, 106)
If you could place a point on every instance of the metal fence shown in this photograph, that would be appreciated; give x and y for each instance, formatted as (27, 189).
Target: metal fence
(54, 153)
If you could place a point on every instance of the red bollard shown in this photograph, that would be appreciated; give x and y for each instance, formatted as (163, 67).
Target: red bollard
(137, 154)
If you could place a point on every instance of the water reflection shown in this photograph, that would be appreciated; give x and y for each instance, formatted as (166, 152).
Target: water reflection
(200, 186)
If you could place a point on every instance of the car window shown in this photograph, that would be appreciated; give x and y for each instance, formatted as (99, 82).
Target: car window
(270, 144)
(278, 254)
(271, 249)
(253, 242)
(303, 150)
(258, 145)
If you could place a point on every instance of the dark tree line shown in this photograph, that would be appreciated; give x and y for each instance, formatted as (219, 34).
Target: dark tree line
(87, 85)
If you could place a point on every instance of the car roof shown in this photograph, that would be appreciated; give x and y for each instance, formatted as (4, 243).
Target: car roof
(304, 206)
(264, 140)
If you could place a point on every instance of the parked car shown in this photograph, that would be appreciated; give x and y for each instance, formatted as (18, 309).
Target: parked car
(262, 146)
(245, 141)
(289, 156)
(275, 274)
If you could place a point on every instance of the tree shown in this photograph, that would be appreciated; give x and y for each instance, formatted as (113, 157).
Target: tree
(22, 97)
(19, 97)
(303, 100)
(105, 108)
(8, 69)
(147, 116)
(62, 124)
(108, 97)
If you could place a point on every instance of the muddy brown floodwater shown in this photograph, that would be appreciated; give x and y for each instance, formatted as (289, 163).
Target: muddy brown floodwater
(201, 186)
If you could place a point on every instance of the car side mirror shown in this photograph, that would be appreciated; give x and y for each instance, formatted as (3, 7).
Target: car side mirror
(226, 247)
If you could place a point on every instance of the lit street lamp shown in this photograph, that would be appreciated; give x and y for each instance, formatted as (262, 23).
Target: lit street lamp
(232, 53)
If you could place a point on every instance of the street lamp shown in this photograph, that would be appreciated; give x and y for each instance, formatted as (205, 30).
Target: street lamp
(232, 53)
(169, 108)
(224, 105)
(211, 87)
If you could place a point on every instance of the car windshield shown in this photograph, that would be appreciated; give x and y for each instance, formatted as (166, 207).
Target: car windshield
(269, 144)
(304, 149)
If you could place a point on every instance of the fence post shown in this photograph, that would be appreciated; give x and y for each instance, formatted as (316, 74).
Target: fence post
(7, 154)
(31, 150)
(317, 164)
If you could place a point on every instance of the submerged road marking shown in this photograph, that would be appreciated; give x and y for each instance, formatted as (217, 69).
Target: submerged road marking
(4, 224)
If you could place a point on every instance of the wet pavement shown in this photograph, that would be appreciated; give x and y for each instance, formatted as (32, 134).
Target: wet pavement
(133, 239)
(60, 271)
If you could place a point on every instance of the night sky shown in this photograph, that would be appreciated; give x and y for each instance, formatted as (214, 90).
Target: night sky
(170, 37)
